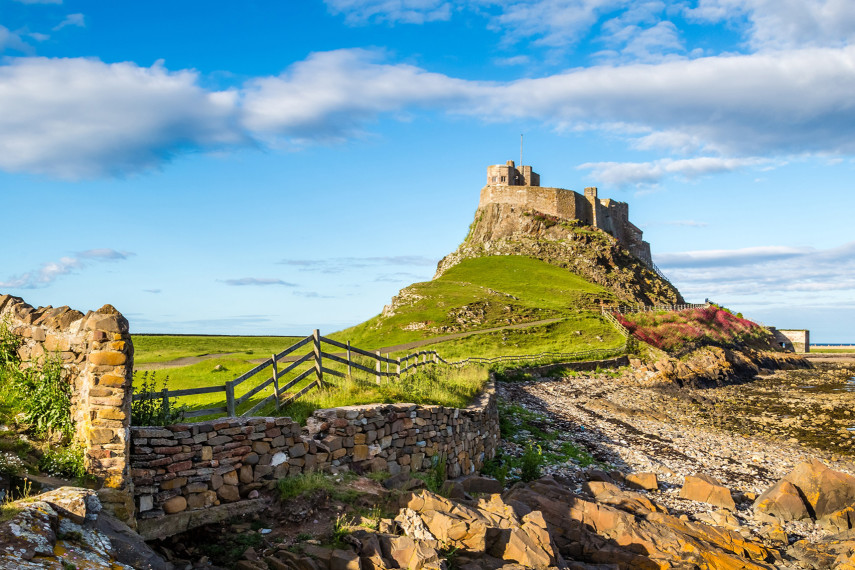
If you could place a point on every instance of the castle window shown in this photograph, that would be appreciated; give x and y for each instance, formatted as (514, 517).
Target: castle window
(495, 179)
(504, 178)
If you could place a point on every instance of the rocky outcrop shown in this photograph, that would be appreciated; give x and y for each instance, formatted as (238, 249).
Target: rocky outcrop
(65, 528)
(814, 491)
(503, 229)
(711, 366)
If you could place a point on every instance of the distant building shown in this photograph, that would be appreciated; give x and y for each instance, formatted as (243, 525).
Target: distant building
(796, 340)
(520, 186)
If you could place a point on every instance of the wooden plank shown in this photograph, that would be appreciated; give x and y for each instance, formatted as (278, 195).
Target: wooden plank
(186, 392)
(316, 349)
(254, 391)
(297, 379)
(230, 399)
(334, 372)
(275, 382)
(296, 363)
(205, 412)
(354, 364)
(373, 355)
(335, 343)
(258, 406)
(293, 347)
(300, 393)
(249, 373)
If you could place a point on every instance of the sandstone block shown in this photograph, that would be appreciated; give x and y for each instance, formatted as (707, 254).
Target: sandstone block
(782, 500)
(644, 481)
(109, 358)
(230, 478)
(228, 493)
(175, 505)
(707, 490)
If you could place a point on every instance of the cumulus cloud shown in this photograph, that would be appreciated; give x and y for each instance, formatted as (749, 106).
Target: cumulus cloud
(770, 272)
(780, 24)
(256, 281)
(77, 118)
(358, 12)
(81, 118)
(331, 94)
(625, 173)
(53, 270)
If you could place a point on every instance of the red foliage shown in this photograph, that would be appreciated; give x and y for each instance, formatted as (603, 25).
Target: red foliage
(672, 330)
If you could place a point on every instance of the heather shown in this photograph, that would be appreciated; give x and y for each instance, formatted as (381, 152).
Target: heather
(672, 331)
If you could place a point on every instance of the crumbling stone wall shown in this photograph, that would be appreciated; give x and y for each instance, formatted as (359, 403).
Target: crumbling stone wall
(200, 472)
(97, 359)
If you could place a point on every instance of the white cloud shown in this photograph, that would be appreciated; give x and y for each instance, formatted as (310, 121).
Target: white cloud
(11, 40)
(359, 12)
(79, 118)
(783, 274)
(256, 281)
(51, 271)
(74, 20)
(777, 24)
(624, 173)
(331, 94)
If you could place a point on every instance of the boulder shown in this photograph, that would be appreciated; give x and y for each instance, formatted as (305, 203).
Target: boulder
(476, 484)
(782, 500)
(705, 489)
(643, 481)
(609, 494)
(825, 491)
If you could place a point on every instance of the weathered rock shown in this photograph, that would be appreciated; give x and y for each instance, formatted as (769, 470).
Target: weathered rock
(609, 494)
(476, 484)
(782, 500)
(707, 490)
(826, 491)
(643, 481)
(344, 560)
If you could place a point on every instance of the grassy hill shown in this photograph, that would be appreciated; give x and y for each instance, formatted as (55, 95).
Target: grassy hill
(487, 293)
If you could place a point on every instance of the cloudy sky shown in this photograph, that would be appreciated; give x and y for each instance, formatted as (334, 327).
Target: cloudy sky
(276, 166)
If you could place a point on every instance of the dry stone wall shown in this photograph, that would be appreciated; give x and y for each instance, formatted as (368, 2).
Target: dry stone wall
(195, 472)
(97, 359)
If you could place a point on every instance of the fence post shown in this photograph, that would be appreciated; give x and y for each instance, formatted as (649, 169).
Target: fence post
(275, 381)
(398, 371)
(377, 368)
(165, 396)
(316, 347)
(387, 363)
(349, 371)
(230, 399)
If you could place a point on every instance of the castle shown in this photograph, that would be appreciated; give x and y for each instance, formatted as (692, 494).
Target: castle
(520, 186)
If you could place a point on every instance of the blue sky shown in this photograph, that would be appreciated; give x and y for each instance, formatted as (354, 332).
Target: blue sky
(271, 167)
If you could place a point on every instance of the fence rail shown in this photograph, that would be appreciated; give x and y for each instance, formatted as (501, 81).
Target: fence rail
(316, 357)
(625, 309)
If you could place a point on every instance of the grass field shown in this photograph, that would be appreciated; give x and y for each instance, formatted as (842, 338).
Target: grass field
(476, 295)
(497, 289)
(163, 348)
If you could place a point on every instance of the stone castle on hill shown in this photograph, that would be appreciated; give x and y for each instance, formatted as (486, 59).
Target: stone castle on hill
(520, 186)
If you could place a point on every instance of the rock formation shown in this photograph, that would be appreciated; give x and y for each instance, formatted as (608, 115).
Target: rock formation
(504, 229)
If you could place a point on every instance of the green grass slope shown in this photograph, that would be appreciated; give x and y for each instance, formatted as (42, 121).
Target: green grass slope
(486, 293)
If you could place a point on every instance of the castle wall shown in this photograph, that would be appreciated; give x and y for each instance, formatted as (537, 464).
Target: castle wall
(795, 340)
(97, 358)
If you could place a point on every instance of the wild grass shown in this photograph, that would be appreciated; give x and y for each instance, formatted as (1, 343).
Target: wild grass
(440, 385)
(672, 331)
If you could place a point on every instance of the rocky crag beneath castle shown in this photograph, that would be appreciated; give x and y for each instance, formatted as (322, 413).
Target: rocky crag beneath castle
(581, 233)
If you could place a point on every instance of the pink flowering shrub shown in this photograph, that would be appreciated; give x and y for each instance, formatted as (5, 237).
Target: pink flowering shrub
(672, 330)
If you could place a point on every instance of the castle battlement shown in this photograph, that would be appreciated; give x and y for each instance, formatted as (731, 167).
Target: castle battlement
(507, 184)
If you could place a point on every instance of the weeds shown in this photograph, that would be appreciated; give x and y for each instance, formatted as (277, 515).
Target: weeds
(531, 462)
(153, 409)
(305, 483)
(65, 462)
(436, 476)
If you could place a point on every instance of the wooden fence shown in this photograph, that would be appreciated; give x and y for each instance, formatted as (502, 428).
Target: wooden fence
(625, 309)
(350, 359)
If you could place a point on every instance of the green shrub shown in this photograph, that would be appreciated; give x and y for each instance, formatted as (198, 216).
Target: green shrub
(436, 476)
(152, 409)
(532, 460)
(64, 462)
(46, 399)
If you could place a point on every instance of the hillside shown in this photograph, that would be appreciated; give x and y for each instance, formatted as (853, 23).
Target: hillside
(504, 229)
(485, 293)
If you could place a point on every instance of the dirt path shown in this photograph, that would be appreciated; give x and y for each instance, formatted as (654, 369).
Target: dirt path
(188, 360)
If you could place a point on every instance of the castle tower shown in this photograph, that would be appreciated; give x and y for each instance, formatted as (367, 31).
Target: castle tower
(509, 175)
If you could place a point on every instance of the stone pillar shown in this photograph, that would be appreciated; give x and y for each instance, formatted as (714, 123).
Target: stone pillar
(97, 359)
